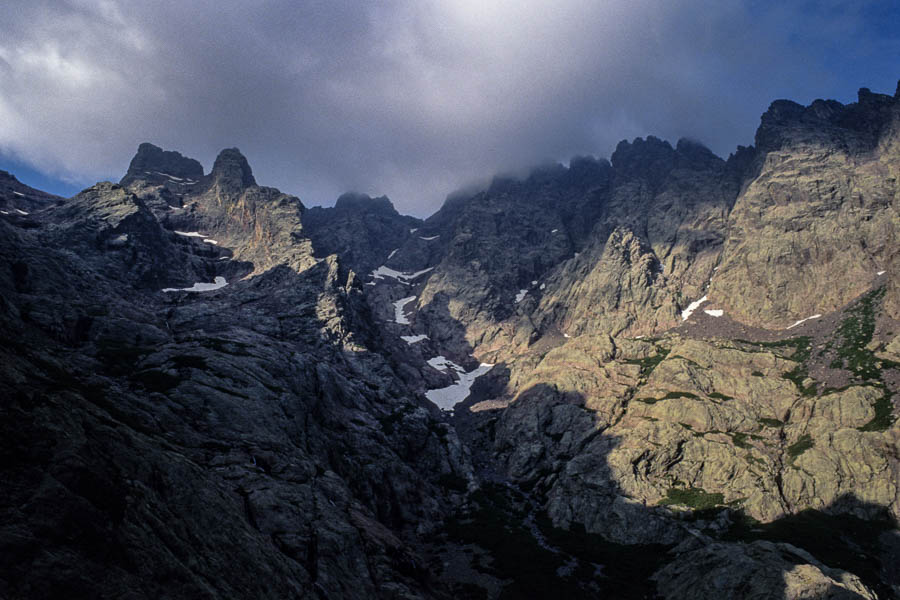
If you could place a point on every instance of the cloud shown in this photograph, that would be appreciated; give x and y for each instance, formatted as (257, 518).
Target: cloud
(407, 98)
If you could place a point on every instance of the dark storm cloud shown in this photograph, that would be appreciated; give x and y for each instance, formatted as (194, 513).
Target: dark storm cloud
(404, 97)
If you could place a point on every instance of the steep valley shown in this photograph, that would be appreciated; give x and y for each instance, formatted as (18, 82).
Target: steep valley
(666, 375)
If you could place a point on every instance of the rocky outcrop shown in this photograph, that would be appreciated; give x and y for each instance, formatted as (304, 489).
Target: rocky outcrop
(521, 251)
(153, 164)
(821, 210)
(757, 570)
(365, 232)
(611, 287)
(19, 200)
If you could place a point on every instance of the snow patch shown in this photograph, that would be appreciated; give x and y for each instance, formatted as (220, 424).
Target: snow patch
(4, 212)
(219, 282)
(190, 234)
(880, 272)
(384, 271)
(534, 283)
(521, 295)
(715, 312)
(412, 339)
(566, 335)
(448, 397)
(686, 313)
(442, 363)
(801, 321)
(391, 255)
(19, 194)
(21, 212)
(543, 285)
(399, 315)
(411, 231)
(428, 239)
(209, 241)
(172, 177)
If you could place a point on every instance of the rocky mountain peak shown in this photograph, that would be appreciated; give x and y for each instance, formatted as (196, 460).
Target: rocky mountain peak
(693, 151)
(152, 162)
(857, 126)
(643, 157)
(231, 167)
(356, 202)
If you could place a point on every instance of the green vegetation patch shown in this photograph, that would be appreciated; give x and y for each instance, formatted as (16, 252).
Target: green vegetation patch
(740, 440)
(854, 334)
(676, 395)
(719, 396)
(800, 446)
(771, 422)
(649, 363)
(884, 417)
(797, 349)
(695, 498)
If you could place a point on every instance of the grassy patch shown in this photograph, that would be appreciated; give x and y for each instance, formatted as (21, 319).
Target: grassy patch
(800, 446)
(771, 422)
(649, 363)
(854, 334)
(740, 440)
(695, 498)
(719, 396)
(676, 395)
(648, 400)
(884, 417)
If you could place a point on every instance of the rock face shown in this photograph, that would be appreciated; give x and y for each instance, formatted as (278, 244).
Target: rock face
(363, 231)
(823, 208)
(152, 163)
(159, 443)
(677, 378)
(17, 198)
(757, 570)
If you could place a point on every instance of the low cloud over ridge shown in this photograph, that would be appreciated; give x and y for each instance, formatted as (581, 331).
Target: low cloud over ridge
(410, 99)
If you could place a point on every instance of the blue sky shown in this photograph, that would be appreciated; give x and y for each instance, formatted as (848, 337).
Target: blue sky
(410, 98)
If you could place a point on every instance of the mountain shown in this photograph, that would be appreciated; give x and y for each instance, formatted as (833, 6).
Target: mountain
(663, 375)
